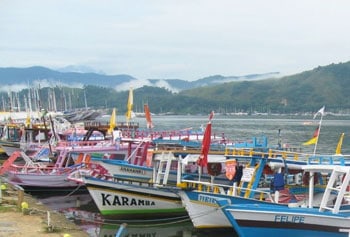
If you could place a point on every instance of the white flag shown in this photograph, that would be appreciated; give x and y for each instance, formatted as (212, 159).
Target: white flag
(321, 111)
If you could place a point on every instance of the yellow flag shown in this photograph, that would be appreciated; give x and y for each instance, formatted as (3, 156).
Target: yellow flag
(112, 121)
(129, 113)
(340, 143)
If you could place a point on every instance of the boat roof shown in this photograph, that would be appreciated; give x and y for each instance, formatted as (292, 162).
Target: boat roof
(325, 168)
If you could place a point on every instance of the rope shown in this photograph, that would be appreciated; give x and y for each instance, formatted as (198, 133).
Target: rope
(71, 193)
(204, 213)
(154, 222)
(137, 223)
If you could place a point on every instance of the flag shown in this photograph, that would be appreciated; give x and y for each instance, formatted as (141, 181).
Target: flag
(321, 112)
(340, 143)
(314, 138)
(203, 157)
(28, 121)
(130, 114)
(112, 121)
(148, 116)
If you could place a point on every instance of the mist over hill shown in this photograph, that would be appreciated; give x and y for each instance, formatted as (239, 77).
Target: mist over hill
(73, 76)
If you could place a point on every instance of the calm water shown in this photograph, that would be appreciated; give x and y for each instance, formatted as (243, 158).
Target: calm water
(293, 131)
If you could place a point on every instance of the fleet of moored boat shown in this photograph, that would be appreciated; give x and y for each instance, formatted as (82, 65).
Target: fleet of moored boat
(132, 174)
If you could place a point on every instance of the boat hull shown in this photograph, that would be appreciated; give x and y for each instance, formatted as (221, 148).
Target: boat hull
(10, 147)
(204, 211)
(263, 220)
(130, 201)
(124, 170)
(41, 180)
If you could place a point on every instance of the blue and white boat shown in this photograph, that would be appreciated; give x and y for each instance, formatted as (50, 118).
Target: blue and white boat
(260, 172)
(329, 219)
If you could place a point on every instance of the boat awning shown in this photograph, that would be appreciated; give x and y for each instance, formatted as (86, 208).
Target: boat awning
(324, 168)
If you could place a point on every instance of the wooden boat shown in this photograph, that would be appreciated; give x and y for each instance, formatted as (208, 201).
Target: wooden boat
(10, 134)
(122, 196)
(256, 174)
(28, 136)
(329, 219)
(137, 199)
(22, 170)
(38, 174)
(134, 200)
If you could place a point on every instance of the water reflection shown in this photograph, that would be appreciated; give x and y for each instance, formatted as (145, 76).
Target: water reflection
(181, 229)
(80, 209)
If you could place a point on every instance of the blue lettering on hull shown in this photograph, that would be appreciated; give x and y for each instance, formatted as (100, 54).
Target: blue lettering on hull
(290, 219)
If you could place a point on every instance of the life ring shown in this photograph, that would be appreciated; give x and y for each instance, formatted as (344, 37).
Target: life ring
(214, 169)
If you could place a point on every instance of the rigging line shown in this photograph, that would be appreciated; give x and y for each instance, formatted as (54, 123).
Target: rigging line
(71, 193)
(164, 221)
(204, 213)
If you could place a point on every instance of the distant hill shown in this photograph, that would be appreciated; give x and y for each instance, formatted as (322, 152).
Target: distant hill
(309, 90)
(12, 76)
(49, 77)
(303, 92)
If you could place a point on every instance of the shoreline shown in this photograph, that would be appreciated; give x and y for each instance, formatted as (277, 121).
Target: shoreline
(31, 218)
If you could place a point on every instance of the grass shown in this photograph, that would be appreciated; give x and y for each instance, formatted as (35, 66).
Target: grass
(7, 208)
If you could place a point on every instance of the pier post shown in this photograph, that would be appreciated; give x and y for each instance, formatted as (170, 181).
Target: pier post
(20, 197)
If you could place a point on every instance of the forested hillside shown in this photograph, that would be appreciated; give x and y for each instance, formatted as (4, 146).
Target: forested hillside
(306, 91)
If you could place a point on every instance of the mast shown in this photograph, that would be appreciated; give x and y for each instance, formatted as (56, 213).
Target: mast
(85, 100)
(321, 111)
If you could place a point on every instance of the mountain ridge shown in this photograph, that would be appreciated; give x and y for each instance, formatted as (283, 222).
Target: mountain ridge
(49, 77)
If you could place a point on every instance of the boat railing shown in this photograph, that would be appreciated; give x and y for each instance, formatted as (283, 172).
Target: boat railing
(24, 169)
(134, 152)
(223, 189)
(327, 160)
(288, 155)
(187, 150)
(173, 135)
(83, 143)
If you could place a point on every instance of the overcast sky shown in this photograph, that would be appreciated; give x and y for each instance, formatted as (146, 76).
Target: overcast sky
(185, 39)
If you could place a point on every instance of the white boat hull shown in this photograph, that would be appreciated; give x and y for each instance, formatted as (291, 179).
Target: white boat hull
(136, 200)
(41, 180)
(204, 211)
